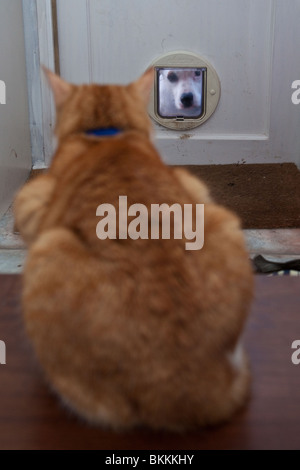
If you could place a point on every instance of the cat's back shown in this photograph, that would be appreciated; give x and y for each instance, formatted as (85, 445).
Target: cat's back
(92, 172)
(126, 158)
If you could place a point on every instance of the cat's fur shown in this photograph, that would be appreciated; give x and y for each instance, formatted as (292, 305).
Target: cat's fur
(130, 332)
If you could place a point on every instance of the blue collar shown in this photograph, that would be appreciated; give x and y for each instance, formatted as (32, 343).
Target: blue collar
(103, 132)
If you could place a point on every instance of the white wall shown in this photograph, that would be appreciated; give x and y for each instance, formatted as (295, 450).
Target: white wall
(15, 149)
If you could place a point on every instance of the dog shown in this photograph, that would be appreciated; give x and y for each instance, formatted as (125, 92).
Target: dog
(180, 92)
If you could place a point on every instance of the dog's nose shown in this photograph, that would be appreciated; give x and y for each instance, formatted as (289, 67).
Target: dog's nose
(187, 99)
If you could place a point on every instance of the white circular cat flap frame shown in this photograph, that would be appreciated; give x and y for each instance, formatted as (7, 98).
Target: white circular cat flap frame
(186, 91)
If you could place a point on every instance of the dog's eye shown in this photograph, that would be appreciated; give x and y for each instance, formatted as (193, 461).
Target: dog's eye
(197, 73)
(172, 77)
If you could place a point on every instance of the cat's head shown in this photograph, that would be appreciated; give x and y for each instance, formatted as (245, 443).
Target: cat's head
(84, 107)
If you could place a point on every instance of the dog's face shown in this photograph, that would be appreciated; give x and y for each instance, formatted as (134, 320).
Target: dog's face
(181, 90)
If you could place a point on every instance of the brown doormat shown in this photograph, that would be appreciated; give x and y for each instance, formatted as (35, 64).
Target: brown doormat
(265, 196)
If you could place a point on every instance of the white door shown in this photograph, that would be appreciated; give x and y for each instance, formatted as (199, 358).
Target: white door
(253, 45)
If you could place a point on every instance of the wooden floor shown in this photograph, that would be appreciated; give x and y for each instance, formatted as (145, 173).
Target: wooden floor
(32, 418)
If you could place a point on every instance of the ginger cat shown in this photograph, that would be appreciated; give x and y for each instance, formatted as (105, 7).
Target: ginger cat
(130, 332)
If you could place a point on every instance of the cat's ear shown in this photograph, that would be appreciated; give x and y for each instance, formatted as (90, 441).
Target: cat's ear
(145, 83)
(61, 89)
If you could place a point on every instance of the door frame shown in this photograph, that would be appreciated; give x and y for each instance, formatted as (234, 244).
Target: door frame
(38, 18)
